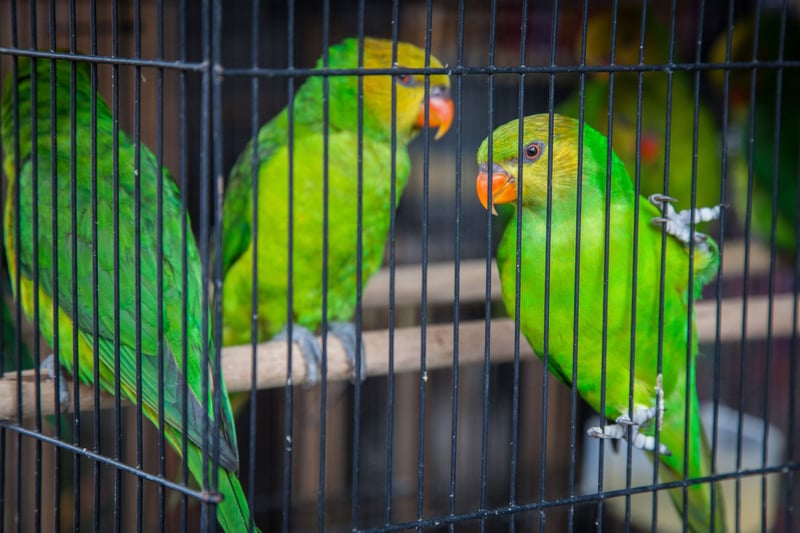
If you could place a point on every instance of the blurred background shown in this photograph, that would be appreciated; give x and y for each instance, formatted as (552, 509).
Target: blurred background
(754, 373)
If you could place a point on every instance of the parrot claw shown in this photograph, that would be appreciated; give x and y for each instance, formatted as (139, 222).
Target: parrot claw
(346, 333)
(49, 365)
(641, 416)
(312, 351)
(310, 348)
(679, 224)
(659, 199)
(625, 420)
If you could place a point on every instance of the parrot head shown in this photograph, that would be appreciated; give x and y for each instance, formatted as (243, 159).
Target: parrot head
(509, 165)
(412, 111)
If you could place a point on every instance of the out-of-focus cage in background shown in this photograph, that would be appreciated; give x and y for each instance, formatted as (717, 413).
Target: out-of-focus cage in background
(453, 446)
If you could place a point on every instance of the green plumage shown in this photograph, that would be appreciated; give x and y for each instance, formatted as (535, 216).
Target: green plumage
(678, 349)
(115, 324)
(655, 101)
(309, 173)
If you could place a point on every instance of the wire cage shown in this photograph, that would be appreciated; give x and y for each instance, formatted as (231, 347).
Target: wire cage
(435, 413)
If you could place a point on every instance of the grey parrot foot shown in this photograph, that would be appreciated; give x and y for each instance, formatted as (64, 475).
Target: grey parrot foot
(50, 366)
(678, 224)
(312, 353)
(346, 333)
(641, 416)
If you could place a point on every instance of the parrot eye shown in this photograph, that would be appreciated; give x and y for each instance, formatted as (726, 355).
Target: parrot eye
(533, 151)
(406, 79)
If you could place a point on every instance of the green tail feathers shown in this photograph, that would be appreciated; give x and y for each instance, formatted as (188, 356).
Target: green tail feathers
(233, 513)
(699, 495)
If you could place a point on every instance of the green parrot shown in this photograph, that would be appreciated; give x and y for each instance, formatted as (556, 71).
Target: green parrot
(759, 124)
(114, 326)
(658, 398)
(654, 100)
(411, 111)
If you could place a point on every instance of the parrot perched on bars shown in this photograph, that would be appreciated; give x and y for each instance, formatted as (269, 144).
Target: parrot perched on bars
(654, 103)
(17, 135)
(383, 117)
(658, 398)
(759, 123)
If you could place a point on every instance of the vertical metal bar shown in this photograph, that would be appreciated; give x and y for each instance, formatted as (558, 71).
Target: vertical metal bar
(15, 99)
(37, 483)
(690, 320)
(423, 356)
(216, 72)
(326, 18)
(54, 251)
(254, 164)
(207, 517)
(488, 281)
(359, 273)
(95, 265)
(185, 229)
(577, 277)
(390, 382)
(115, 82)
(288, 390)
(745, 283)
(160, 259)
(606, 246)
(137, 246)
(718, 368)
(514, 451)
(637, 179)
(73, 170)
(454, 394)
(773, 255)
(664, 238)
(17, 278)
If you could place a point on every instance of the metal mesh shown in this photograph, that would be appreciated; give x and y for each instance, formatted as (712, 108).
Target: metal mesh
(456, 426)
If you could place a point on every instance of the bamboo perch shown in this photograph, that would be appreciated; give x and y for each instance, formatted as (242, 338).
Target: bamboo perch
(272, 357)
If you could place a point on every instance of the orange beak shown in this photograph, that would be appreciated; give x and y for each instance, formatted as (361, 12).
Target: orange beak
(440, 111)
(504, 187)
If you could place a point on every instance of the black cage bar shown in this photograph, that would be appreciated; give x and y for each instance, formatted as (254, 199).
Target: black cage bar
(450, 421)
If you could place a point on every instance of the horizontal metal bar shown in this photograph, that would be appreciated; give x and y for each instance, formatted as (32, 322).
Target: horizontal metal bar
(594, 497)
(109, 60)
(203, 496)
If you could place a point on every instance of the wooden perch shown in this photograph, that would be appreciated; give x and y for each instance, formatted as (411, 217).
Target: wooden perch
(439, 342)
(272, 356)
